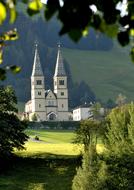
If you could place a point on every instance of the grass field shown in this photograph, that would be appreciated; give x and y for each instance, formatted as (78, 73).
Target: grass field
(50, 143)
(48, 164)
(39, 174)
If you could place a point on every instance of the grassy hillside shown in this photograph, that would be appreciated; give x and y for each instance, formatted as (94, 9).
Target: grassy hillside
(108, 73)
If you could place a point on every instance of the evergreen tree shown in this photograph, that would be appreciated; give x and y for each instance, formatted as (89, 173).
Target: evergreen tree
(11, 128)
(11, 134)
(8, 99)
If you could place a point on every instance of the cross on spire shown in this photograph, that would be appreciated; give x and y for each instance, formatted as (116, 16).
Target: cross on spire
(36, 43)
(59, 69)
(59, 44)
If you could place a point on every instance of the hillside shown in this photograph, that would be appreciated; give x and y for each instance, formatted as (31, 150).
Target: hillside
(108, 73)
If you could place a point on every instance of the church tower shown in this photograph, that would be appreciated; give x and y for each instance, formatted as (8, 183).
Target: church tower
(38, 88)
(60, 87)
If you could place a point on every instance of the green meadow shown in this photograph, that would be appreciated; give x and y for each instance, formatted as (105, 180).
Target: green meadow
(108, 73)
(58, 143)
(47, 164)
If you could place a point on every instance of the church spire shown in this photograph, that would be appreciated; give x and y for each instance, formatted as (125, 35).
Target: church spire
(37, 70)
(59, 70)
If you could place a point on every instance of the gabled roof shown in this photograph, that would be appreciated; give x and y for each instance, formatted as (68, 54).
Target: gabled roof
(59, 70)
(50, 92)
(37, 70)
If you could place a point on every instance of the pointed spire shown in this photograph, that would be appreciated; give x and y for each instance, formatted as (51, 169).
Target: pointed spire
(59, 70)
(37, 70)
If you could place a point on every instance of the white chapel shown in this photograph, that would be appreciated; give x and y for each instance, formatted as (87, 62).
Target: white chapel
(48, 105)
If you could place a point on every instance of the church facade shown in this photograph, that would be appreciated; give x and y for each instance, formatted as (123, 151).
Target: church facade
(48, 105)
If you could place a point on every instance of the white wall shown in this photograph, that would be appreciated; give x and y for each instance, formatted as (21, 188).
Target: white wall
(81, 113)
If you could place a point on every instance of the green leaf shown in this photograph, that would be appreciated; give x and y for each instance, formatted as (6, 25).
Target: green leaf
(51, 8)
(132, 32)
(11, 35)
(34, 7)
(1, 56)
(110, 30)
(75, 35)
(96, 21)
(85, 32)
(123, 38)
(2, 74)
(13, 15)
(25, 1)
(32, 12)
(15, 69)
(3, 13)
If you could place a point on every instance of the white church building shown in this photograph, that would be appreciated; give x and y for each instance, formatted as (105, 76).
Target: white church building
(48, 105)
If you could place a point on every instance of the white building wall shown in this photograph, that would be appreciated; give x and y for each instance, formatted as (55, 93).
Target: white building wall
(28, 107)
(77, 114)
(81, 113)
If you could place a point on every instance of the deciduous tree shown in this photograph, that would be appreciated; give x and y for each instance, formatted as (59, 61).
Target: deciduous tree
(114, 169)
(87, 133)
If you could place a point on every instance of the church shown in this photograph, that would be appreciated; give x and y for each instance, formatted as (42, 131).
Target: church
(48, 105)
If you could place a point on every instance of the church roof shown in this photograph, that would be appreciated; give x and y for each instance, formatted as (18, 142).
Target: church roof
(49, 92)
(59, 70)
(37, 70)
